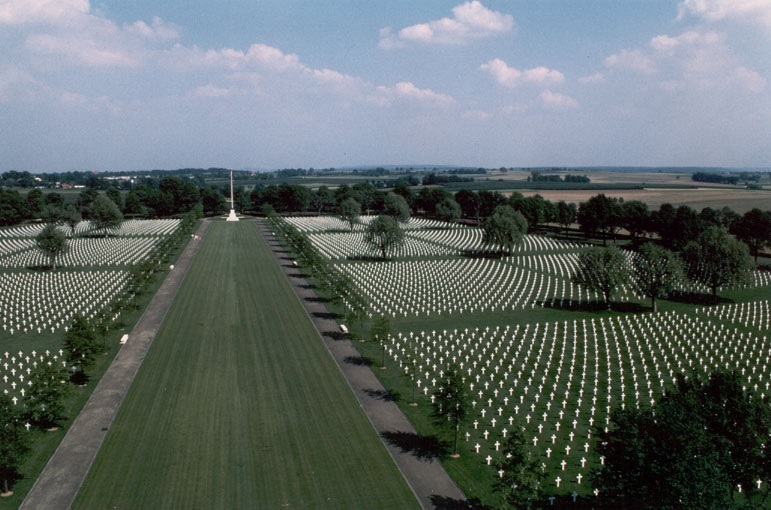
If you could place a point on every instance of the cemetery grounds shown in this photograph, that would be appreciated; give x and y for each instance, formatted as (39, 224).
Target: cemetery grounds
(536, 351)
(36, 305)
(238, 404)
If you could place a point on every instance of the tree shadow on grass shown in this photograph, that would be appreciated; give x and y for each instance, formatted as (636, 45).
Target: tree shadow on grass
(318, 299)
(384, 395)
(358, 360)
(336, 335)
(422, 447)
(327, 315)
(307, 286)
(698, 298)
(595, 306)
(484, 254)
(445, 503)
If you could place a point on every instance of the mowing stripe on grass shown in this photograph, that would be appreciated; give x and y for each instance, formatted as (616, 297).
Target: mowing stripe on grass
(238, 404)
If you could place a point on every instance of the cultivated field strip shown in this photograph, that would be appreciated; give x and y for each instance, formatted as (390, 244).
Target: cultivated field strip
(560, 380)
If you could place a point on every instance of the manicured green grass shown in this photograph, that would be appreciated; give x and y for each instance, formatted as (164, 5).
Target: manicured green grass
(239, 405)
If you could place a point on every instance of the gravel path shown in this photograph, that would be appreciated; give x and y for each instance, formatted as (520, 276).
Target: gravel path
(425, 474)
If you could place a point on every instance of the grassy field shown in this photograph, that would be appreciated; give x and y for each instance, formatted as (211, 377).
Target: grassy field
(239, 405)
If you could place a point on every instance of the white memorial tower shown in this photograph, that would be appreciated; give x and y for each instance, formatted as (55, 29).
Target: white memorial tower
(232, 216)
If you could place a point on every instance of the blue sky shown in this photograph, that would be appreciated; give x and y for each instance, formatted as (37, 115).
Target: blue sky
(116, 85)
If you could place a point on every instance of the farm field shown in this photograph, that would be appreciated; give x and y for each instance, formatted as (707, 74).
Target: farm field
(534, 354)
(740, 200)
(239, 405)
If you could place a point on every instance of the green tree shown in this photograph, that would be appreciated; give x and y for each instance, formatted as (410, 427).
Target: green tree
(448, 210)
(396, 207)
(566, 214)
(657, 271)
(213, 201)
(380, 332)
(505, 228)
(113, 194)
(754, 229)
(52, 242)
(80, 345)
(690, 451)
(35, 203)
(104, 214)
(635, 217)
(715, 258)
(43, 401)
(70, 216)
(384, 235)
(12, 207)
(601, 269)
(322, 199)
(451, 404)
(13, 443)
(519, 485)
(350, 210)
(600, 215)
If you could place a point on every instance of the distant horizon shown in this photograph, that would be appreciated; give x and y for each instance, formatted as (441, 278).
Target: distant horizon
(428, 167)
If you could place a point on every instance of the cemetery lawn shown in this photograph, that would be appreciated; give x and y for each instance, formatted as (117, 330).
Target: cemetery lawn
(238, 403)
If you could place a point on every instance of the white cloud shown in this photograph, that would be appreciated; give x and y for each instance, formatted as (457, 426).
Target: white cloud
(512, 77)
(558, 101)
(210, 90)
(631, 59)
(19, 12)
(407, 91)
(470, 20)
(592, 78)
(749, 11)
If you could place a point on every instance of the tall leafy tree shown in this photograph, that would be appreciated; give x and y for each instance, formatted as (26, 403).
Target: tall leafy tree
(80, 345)
(43, 400)
(350, 210)
(691, 451)
(451, 404)
(104, 214)
(448, 210)
(70, 216)
(396, 207)
(600, 215)
(754, 229)
(35, 203)
(657, 271)
(505, 228)
(13, 444)
(52, 242)
(715, 258)
(384, 235)
(519, 482)
(566, 214)
(636, 217)
(601, 269)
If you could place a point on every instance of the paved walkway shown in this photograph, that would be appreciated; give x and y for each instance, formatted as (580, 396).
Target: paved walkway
(60, 481)
(425, 474)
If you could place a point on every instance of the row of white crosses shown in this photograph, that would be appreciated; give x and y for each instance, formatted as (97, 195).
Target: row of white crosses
(559, 380)
(99, 251)
(754, 315)
(451, 286)
(16, 368)
(127, 228)
(47, 302)
(318, 224)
